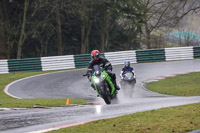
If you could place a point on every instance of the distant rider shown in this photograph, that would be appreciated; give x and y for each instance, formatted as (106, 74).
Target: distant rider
(126, 68)
(97, 60)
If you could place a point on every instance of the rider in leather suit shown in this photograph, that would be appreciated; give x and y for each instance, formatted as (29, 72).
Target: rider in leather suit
(126, 68)
(97, 60)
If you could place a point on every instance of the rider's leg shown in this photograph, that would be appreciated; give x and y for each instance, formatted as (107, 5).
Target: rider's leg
(113, 78)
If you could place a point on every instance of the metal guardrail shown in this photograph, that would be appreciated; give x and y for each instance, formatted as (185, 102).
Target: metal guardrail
(82, 60)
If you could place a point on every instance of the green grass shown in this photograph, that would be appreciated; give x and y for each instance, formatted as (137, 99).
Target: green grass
(175, 119)
(179, 119)
(181, 85)
(9, 102)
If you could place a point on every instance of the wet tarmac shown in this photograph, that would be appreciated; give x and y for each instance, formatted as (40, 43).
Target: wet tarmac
(71, 84)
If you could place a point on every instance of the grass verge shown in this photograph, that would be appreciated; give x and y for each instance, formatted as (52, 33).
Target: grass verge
(181, 85)
(175, 119)
(9, 102)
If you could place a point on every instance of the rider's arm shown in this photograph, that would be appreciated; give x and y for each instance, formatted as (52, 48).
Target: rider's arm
(121, 74)
(89, 70)
(123, 70)
(132, 70)
(107, 65)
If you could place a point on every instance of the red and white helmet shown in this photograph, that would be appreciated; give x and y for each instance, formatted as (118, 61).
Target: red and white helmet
(95, 55)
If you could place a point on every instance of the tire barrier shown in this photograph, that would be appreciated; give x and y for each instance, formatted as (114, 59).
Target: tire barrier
(57, 62)
(151, 55)
(196, 51)
(82, 60)
(24, 65)
(119, 57)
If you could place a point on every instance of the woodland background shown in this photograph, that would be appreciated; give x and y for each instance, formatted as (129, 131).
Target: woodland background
(38, 28)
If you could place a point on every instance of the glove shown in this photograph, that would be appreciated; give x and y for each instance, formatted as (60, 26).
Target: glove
(121, 76)
(108, 71)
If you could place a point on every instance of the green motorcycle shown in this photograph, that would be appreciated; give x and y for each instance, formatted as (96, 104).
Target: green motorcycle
(103, 84)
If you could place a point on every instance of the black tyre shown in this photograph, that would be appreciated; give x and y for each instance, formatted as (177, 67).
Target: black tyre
(105, 95)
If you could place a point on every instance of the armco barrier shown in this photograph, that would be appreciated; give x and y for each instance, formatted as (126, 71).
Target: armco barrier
(196, 52)
(82, 60)
(180, 53)
(119, 57)
(151, 55)
(24, 65)
(3, 66)
(57, 62)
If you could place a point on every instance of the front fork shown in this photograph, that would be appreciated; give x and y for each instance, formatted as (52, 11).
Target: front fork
(101, 86)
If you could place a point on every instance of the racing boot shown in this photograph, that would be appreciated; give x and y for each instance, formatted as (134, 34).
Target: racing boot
(115, 84)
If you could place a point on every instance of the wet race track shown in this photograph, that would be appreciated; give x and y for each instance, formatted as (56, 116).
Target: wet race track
(71, 84)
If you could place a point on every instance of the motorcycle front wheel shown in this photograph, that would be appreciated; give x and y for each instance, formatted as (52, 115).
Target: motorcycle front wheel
(105, 94)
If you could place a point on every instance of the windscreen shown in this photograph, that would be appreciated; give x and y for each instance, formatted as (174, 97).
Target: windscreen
(97, 69)
(129, 75)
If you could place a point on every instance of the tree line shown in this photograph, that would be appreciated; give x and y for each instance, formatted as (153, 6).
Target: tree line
(37, 28)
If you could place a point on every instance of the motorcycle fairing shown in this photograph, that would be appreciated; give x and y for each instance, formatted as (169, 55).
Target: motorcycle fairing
(104, 76)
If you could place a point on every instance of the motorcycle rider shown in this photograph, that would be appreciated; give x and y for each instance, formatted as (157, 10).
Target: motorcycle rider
(97, 60)
(126, 68)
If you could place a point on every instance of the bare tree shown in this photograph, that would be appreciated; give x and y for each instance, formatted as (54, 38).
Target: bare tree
(23, 34)
(86, 23)
(58, 28)
(11, 36)
(165, 13)
(2, 43)
(108, 18)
